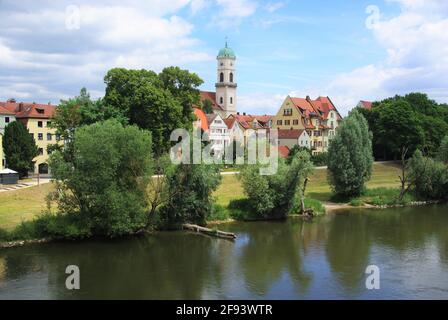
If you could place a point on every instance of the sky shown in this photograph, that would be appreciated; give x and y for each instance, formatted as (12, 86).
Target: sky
(349, 50)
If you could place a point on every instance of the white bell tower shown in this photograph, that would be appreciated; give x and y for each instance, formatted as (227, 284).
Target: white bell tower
(226, 81)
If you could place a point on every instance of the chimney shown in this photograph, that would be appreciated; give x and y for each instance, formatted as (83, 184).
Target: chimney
(244, 113)
(20, 107)
(11, 100)
(308, 98)
(238, 113)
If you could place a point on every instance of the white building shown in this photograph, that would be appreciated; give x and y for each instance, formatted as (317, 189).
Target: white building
(294, 137)
(218, 133)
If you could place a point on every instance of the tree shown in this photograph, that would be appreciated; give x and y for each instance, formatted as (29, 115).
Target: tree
(74, 113)
(189, 188)
(158, 103)
(103, 189)
(413, 121)
(183, 85)
(350, 156)
(273, 196)
(442, 155)
(20, 148)
(207, 106)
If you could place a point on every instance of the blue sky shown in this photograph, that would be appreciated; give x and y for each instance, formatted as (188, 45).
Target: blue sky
(348, 50)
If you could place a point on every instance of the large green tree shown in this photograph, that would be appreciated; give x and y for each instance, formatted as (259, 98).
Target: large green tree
(159, 103)
(350, 156)
(20, 148)
(412, 121)
(103, 188)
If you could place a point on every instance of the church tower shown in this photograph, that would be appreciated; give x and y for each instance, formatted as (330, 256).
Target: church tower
(226, 81)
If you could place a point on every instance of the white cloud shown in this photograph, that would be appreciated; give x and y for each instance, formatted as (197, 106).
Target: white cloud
(231, 12)
(272, 7)
(416, 43)
(43, 60)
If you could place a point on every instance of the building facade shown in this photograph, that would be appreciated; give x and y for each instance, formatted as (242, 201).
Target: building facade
(37, 119)
(294, 137)
(318, 117)
(6, 117)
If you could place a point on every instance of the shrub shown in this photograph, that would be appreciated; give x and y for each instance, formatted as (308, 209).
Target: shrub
(190, 199)
(320, 159)
(273, 196)
(219, 213)
(430, 177)
(356, 202)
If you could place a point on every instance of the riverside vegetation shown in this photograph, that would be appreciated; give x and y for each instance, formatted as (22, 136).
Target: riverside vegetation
(113, 147)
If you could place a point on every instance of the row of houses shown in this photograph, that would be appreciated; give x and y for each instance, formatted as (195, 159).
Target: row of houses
(300, 121)
(37, 119)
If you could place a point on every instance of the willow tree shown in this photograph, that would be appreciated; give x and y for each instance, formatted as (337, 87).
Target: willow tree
(350, 156)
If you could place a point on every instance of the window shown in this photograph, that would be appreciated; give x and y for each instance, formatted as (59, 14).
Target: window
(40, 111)
(279, 122)
(231, 76)
(221, 77)
(287, 122)
(221, 100)
(295, 122)
(332, 115)
(231, 100)
(222, 64)
(40, 136)
(332, 124)
(6, 119)
(40, 124)
(41, 151)
(49, 137)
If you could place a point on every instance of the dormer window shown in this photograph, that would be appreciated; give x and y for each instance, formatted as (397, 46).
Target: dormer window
(40, 111)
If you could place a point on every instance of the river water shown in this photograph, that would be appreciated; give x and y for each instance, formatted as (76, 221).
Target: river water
(294, 259)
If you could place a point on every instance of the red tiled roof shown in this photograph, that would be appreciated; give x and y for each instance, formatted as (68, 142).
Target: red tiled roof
(290, 134)
(202, 118)
(320, 107)
(247, 121)
(366, 104)
(229, 122)
(5, 111)
(204, 95)
(283, 151)
(29, 110)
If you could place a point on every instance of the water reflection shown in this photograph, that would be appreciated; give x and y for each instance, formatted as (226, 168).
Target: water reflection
(325, 258)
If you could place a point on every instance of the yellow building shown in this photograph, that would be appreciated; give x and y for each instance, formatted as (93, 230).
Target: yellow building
(318, 117)
(37, 119)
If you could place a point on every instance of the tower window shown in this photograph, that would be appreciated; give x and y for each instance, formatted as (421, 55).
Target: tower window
(221, 77)
(231, 77)
(231, 100)
(221, 100)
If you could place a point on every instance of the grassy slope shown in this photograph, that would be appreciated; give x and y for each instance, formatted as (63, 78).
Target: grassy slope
(16, 206)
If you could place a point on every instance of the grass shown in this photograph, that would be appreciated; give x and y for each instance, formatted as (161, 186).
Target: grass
(25, 204)
(22, 205)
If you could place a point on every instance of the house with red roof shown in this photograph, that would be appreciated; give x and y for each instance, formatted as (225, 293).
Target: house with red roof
(283, 151)
(37, 119)
(365, 104)
(294, 137)
(318, 117)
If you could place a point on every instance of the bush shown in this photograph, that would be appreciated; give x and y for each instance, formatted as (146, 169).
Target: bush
(350, 157)
(219, 213)
(430, 177)
(190, 199)
(273, 196)
(320, 159)
(356, 202)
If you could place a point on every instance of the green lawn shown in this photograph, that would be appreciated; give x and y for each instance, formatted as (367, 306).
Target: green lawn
(20, 205)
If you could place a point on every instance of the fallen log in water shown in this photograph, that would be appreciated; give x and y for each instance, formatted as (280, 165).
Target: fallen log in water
(210, 232)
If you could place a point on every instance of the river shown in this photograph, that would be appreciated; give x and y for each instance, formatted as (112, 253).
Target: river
(321, 259)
